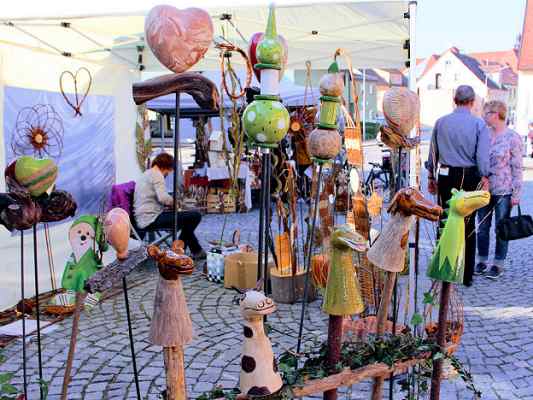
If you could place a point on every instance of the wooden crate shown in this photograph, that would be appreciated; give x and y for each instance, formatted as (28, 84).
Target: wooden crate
(213, 203)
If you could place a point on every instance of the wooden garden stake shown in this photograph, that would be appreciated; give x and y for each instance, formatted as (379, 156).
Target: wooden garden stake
(436, 378)
(389, 249)
(171, 323)
(447, 264)
(343, 295)
(80, 298)
(173, 357)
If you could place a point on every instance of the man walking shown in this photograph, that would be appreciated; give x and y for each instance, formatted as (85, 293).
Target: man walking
(459, 158)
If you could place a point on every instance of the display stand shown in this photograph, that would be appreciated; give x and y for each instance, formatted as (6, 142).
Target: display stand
(309, 254)
(104, 279)
(436, 377)
(23, 311)
(37, 310)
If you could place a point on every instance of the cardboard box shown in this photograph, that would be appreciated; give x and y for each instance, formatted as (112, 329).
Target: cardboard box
(240, 270)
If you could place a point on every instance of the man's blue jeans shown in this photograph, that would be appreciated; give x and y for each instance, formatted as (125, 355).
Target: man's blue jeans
(501, 205)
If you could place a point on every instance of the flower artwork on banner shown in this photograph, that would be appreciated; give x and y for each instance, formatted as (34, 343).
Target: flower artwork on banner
(32, 126)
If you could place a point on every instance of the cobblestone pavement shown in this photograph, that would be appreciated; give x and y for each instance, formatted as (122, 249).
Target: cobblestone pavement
(497, 344)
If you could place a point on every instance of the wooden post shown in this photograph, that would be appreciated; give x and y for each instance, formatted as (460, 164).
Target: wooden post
(176, 388)
(172, 328)
(334, 349)
(383, 311)
(80, 299)
(436, 378)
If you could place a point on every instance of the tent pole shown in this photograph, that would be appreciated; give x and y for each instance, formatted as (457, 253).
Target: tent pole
(364, 105)
(177, 163)
(414, 155)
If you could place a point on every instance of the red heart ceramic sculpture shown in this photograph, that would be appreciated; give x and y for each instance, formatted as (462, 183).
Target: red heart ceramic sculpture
(254, 41)
(178, 38)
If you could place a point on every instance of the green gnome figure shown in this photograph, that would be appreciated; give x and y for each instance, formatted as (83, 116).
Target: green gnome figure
(87, 240)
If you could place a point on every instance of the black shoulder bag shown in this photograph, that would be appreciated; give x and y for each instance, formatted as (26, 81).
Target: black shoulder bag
(513, 228)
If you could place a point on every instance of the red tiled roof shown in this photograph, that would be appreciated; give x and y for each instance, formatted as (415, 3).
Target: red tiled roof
(525, 61)
(508, 77)
(430, 63)
(473, 65)
(506, 57)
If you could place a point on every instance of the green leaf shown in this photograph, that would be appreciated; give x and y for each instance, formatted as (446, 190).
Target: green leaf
(438, 356)
(6, 377)
(8, 389)
(429, 298)
(417, 319)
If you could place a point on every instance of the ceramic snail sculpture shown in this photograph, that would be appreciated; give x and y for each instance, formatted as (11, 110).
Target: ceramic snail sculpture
(324, 141)
(117, 231)
(266, 120)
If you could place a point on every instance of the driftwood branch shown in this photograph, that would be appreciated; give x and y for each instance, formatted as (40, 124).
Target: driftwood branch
(113, 273)
(348, 377)
(203, 91)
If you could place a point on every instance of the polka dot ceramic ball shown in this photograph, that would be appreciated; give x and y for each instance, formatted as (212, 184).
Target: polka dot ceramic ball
(266, 121)
(269, 51)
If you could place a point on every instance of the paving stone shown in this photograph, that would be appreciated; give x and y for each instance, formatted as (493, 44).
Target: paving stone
(497, 344)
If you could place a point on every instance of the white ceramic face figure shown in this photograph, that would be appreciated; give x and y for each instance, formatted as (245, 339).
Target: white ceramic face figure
(254, 304)
(81, 238)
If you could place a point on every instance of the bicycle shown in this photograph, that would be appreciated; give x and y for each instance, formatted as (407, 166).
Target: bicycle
(378, 178)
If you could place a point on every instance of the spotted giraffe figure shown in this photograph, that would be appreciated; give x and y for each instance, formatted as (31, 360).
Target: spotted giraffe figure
(259, 376)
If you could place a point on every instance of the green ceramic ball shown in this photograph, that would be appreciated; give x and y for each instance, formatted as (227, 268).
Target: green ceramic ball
(269, 51)
(266, 121)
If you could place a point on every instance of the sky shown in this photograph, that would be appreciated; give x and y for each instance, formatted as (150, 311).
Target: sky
(470, 25)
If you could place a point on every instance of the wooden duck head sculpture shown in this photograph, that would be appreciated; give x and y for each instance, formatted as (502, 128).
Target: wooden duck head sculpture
(259, 376)
(388, 251)
(447, 263)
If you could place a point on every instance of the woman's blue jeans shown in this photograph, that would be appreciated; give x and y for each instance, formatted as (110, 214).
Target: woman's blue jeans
(501, 205)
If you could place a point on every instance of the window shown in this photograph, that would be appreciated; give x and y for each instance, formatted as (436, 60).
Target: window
(456, 77)
(438, 78)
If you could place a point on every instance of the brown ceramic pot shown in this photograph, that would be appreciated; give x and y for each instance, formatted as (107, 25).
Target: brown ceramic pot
(324, 143)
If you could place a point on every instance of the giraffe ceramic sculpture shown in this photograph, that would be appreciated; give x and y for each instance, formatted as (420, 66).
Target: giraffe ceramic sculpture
(259, 376)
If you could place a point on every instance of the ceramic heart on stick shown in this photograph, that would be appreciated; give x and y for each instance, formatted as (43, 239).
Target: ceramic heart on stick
(117, 231)
(178, 38)
(254, 41)
(36, 175)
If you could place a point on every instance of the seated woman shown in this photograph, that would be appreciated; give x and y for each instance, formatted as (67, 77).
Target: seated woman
(151, 199)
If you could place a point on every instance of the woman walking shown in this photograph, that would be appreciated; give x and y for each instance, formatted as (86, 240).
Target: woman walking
(505, 184)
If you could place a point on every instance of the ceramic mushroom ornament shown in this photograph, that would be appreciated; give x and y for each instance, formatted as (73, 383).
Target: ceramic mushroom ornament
(117, 231)
(259, 376)
(325, 142)
(178, 38)
(266, 120)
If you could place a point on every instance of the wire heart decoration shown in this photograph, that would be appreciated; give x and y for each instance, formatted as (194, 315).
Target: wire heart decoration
(79, 99)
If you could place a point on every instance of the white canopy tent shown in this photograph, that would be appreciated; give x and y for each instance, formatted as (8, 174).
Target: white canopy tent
(372, 32)
(39, 40)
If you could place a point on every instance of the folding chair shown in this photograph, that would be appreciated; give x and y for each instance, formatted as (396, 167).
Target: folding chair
(122, 196)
